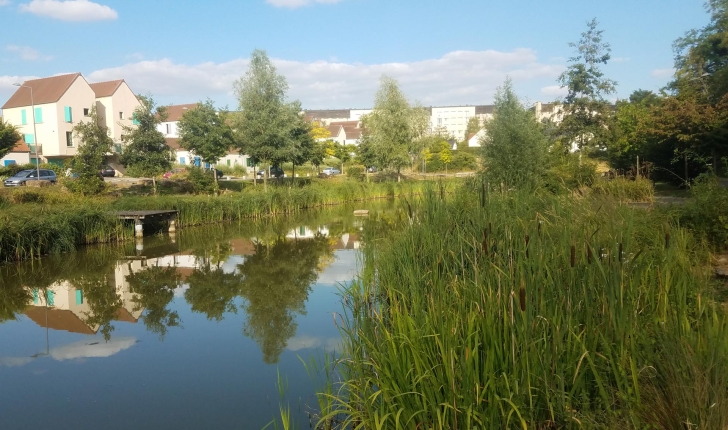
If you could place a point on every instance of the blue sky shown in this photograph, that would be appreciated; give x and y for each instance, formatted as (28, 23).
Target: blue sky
(444, 52)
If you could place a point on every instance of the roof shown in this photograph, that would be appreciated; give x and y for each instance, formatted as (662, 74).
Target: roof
(58, 319)
(175, 112)
(351, 129)
(470, 136)
(329, 113)
(45, 90)
(484, 109)
(173, 143)
(106, 89)
(20, 146)
(334, 130)
(123, 314)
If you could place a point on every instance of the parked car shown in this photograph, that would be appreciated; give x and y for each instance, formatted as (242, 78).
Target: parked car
(330, 171)
(218, 173)
(275, 172)
(22, 177)
(372, 169)
(108, 172)
(173, 172)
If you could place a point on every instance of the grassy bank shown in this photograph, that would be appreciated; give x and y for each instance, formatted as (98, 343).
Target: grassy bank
(35, 222)
(531, 312)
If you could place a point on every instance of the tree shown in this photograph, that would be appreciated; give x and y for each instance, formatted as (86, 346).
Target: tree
(446, 155)
(95, 144)
(9, 136)
(205, 132)
(389, 129)
(154, 291)
(628, 139)
(304, 145)
(473, 127)
(146, 152)
(515, 146)
(318, 131)
(265, 120)
(586, 112)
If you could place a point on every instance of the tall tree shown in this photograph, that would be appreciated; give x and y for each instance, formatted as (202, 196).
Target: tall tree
(304, 146)
(204, 131)
(95, 144)
(587, 113)
(146, 152)
(9, 136)
(473, 126)
(265, 120)
(515, 147)
(389, 129)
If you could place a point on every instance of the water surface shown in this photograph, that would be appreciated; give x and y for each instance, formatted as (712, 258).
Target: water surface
(189, 332)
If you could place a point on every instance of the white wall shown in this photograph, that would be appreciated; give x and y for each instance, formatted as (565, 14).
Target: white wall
(17, 157)
(453, 119)
(356, 114)
(169, 129)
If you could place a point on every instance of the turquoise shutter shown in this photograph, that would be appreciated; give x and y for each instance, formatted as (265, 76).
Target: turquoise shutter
(134, 120)
(51, 298)
(79, 297)
(68, 114)
(38, 115)
(35, 296)
(29, 138)
(23, 117)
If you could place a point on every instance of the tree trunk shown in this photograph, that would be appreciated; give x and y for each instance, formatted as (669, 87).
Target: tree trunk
(255, 176)
(687, 179)
(265, 180)
(399, 174)
(214, 175)
(154, 184)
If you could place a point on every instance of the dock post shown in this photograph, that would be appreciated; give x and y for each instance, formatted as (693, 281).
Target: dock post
(138, 228)
(172, 226)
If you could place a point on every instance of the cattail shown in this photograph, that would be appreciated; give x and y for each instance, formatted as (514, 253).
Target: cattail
(485, 241)
(539, 227)
(667, 240)
(620, 252)
(527, 240)
(490, 228)
(522, 298)
(573, 255)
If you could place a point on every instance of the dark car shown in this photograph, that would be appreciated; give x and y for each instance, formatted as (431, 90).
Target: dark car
(22, 177)
(275, 172)
(108, 172)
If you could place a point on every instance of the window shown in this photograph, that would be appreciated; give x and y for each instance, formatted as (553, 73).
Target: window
(121, 115)
(29, 138)
(50, 298)
(38, 115)
(79, 297)
(169, 128)
(68, 113)
(23, 117)
(182, 160)
(69, 138)
(249, 162)
(439, 121)
(86, 111)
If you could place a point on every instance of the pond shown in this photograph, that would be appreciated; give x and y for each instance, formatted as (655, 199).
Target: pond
(186, 332)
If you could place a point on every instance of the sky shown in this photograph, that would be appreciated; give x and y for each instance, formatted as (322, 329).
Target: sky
(333, 52)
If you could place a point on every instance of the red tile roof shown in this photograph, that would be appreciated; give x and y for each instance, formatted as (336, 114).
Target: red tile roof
(58, 319)
(21, 146)
(45, 90)
(173, 143)
(175, 112)
(106, 89)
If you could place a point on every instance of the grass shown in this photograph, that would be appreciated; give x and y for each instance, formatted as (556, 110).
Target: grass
(531, 312)
(35, 222)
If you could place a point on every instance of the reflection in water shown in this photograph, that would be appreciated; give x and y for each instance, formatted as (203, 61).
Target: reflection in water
(266, 269)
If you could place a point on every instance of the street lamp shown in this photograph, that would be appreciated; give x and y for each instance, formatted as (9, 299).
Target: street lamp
(35, 134)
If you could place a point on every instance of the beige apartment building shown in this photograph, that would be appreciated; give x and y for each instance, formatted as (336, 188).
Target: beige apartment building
(58, 104)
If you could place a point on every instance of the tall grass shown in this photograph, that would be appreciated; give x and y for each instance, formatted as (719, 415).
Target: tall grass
(519, 311)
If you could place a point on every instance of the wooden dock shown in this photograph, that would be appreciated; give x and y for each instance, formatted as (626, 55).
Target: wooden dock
(144, 217)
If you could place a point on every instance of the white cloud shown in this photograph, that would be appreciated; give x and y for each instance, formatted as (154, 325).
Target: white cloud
(294, 4)
(554, 91)
(620, 59)
(15, 361)
(27, 53)
(7, 88)
(4, 2)
(70, 10)
(663, 73)
(459, 77)
(92, 350)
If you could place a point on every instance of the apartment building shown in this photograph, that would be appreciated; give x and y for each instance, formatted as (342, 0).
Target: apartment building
(59, 103)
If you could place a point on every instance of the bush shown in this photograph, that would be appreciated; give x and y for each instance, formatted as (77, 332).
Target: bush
(11, 170)
(356, 172)
(567, 172)
(706, 213)
(202, 182)
(641, 190)
(461, 160)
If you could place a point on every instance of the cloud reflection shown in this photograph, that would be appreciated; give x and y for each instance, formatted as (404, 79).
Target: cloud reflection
(298, 343)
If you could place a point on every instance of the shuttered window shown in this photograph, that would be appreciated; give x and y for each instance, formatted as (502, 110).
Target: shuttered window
(38, 115)
(23, 117)
(68, 114)
(29, 138)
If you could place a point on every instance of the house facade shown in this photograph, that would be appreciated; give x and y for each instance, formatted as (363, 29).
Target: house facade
(57, 105)
(20, 154)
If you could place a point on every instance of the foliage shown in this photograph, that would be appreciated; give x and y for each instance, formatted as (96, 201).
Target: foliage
(568, 172)
(629, 139)
(153, 290)
(212, 291)
(202, 181)
(146, 153)
(473, 127)
(319, 131)
(9, 136)
(514, 152)
(95, 144)
(640, 190)
(356, 172)
(205, 131)
(586, 112)
(706, 212)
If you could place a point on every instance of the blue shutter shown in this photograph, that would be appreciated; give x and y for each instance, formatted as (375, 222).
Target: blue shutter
(38, 115)
(51, 298)
(79, 297)
(35, 296)
(9, 162)
(29, 138)
(23, 117)
(181, 160)
(68, 114)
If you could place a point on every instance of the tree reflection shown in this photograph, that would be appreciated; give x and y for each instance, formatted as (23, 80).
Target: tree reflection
(212, 291)
(103, 303)
(13, 300)
(154, 290)
(277, 281)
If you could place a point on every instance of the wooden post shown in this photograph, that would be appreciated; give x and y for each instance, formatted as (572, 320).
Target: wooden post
(172, 226)
(138, 228)
(638, 168)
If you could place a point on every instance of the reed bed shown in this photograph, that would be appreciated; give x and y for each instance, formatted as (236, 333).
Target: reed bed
(528, 312)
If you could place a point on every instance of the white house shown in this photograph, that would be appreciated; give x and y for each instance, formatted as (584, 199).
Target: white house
(115, 106)
(475, 138)
(20, 154)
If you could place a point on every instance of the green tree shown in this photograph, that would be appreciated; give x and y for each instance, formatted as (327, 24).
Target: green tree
(265, 120)
(304, 146)
(212, 291)
(154, 291)
(9, 136)
(446, 155)
(205, 131)
(146, 152)
(628, 138)
(95, 144)
(389, 128)
(515, 147)
(587, 114)
(473, 127)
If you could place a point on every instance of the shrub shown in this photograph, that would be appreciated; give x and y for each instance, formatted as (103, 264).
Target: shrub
(567, 172)
(11, 170)
(202, 182)
(28, 195)
(706, 213)
(641, 190)
(356, 172)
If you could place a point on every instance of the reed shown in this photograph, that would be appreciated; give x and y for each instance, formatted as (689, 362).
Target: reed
(457, 322)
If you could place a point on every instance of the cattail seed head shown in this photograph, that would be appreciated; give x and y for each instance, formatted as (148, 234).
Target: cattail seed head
(528, 239)
(620, 252)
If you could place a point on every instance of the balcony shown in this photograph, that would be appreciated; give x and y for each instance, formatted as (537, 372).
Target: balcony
(32, 148)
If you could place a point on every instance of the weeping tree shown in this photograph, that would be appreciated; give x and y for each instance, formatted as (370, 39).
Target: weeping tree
(515, 147)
